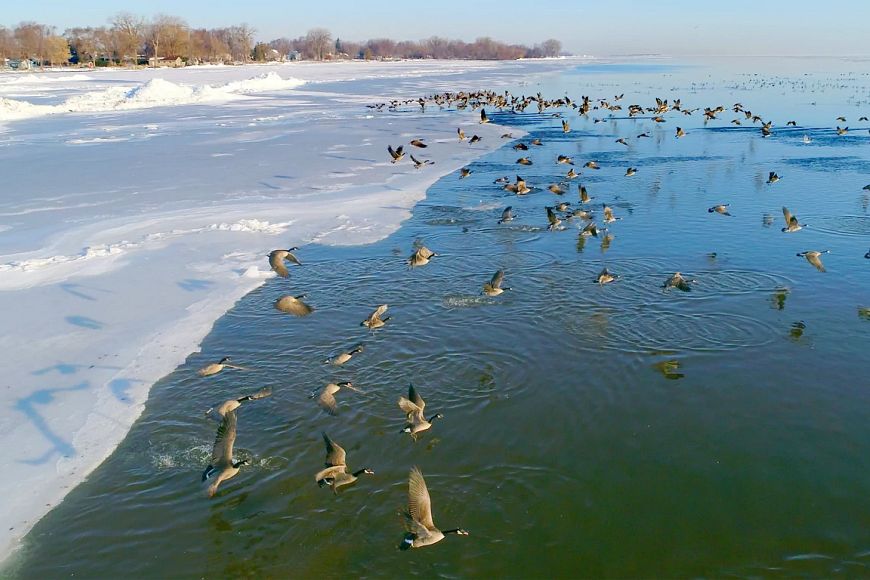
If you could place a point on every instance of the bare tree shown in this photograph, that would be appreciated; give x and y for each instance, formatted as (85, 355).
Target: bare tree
(128, 33)
(83, 41)
(30, 37)
(241, 41)
(551, 47)
(318, 41)
(8, 45)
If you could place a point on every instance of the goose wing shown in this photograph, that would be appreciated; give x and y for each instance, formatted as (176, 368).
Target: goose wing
(335, 454)
(327, 401)
(415, 397)
(222, 452)
(497, 279)
(608, 213)
(379, 311)
(814, 259)
(551, 217)
(419, 502)
(788, 217)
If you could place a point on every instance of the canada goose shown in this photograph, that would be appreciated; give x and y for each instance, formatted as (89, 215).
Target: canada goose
(326, 396)
(421, 529)
(537, 142)
(418, 143)
(277, 259)
(374, 320)
(842, 119)
(507, 136)
(860, 119)
(866, 187)
(721, 208)
(493, 287)
(772, 177)
(791, 222)
(659, 119)
(807, 139)
(564, 159)
(589, 230)
(591, 165)
(842, 131)
(791, 124)
(520, 187)
(335, 473)
(622, 141)
(524, 161)
(397, 154)
(677, 281)
(630, 171)
(413, 407)
(214, 368)
(554, 220)
(464, 172)
(605, 277)
(461, 134)
(584, 195)
(813, 257)
(222, 465)
(421, 257)
(608, 214)
(643, 135)
(555, 188)
(419, 164)
(562, 206)
(736, 122)
(867, 255)
(474, 139)
(521, 147)
(344, 357)
(506, 215)
(571, 174)
(501, 180)
(680, 132)
(293, 305)
(565, 127)
(232, 404)
(581, 213)
(483, 117)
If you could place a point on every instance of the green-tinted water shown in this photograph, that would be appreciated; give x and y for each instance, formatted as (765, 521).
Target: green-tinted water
(589, 431)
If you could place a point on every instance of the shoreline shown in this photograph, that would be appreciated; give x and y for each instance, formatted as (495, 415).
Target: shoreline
(111, 389)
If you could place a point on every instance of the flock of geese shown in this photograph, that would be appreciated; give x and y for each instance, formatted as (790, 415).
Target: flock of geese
(421, 529)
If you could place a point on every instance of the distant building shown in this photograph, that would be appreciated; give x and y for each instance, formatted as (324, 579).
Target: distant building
(294, 55)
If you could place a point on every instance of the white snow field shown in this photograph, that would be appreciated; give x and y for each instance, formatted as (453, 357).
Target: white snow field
(136, 207)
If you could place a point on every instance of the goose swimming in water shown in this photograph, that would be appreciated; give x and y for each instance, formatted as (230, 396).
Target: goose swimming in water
(506, 215)
(421, 257)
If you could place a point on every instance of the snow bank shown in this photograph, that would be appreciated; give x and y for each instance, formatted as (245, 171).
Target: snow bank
(156, 92)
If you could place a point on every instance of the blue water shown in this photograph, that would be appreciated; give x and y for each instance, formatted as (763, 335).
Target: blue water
(589, 431)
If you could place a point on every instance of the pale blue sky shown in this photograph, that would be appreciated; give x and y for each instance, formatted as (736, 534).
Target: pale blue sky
(599, 27)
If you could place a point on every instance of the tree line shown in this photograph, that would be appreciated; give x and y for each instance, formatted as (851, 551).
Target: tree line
(130, 40)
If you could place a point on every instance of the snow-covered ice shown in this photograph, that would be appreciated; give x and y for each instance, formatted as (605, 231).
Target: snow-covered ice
(138, 206)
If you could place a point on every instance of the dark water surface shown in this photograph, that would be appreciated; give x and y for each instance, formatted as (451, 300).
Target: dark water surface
(589, 430)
